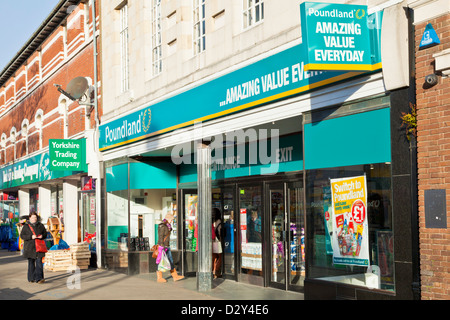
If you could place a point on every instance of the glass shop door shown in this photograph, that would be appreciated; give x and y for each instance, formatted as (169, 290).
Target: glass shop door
(287, 231)
(189, 199)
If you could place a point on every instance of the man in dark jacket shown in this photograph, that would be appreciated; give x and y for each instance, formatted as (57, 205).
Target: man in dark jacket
(35, 267)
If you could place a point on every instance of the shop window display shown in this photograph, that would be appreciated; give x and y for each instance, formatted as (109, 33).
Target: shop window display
(346, 233)
(135, 206)
(117, 219)
(148, 207)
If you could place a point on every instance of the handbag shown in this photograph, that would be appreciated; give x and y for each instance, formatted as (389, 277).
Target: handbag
(217, 247)
(155, 248)
(40, 244)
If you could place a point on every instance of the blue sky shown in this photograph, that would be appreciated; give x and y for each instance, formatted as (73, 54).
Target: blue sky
(19, 19)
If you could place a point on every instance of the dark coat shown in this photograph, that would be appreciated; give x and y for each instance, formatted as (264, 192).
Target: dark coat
(29, 246)
(163, 235)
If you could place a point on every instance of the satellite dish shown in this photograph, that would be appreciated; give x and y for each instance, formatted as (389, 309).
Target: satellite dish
(77, 87)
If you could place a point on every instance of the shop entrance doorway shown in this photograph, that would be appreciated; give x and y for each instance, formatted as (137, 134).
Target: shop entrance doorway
(264, 231)
(223, 199)
(287, 235)
(88, 216)
(189, 203)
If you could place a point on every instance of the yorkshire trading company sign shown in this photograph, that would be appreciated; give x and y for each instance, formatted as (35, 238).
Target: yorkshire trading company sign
(66, 154)
(336, 36)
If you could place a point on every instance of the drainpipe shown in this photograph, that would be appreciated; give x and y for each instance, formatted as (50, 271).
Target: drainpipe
(415, 254)
(96, 140)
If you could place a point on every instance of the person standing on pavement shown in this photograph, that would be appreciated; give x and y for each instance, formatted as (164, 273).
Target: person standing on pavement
(217, 244)
(164, 230)
(35, 266)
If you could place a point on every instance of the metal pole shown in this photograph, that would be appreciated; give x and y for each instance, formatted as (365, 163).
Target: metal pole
(204, 274)
(96, 140)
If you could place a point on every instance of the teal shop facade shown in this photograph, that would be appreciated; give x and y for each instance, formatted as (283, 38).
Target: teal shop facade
(312, 126)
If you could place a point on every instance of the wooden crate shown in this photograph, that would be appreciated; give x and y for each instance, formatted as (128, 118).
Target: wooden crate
(62, 260)
(80, 255)
(58, 260)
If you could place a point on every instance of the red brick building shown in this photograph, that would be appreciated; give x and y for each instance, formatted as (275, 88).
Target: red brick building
(433, 146)
(33, 111)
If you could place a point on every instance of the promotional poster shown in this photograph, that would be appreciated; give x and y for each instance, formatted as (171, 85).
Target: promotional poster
(350, 237)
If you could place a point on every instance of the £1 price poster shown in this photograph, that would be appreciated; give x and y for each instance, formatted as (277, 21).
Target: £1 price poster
(350, 237)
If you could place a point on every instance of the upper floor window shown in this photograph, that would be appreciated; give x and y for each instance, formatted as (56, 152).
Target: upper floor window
(12, 139)
(38, 124)
(199, 26)
(124, 48)
(24, 133)
(253, 12)
(156, 37)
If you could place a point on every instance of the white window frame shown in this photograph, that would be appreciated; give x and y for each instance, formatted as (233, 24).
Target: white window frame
(38, 124)
(157, 62)
(124, 58)
(253, 13)
(24, 133)
(199, 26)
(12, 139)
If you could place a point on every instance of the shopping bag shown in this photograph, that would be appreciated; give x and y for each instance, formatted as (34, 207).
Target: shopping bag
(160, 250)
(164, 264)
(217, 247)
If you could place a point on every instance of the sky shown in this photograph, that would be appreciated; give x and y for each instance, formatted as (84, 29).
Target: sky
(19, 19)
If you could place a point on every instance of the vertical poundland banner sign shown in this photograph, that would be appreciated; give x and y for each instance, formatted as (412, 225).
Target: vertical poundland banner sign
(66, 154)
(336, 36)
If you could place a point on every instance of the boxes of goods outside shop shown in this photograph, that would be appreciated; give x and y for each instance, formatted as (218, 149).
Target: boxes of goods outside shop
(80, 255)
(58, 260)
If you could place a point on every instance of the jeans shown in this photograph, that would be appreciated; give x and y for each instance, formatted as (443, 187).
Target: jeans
(35, 269)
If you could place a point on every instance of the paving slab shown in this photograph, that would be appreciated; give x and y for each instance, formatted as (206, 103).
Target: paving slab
(102, 284)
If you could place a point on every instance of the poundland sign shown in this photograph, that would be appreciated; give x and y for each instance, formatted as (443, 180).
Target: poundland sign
(336, 37)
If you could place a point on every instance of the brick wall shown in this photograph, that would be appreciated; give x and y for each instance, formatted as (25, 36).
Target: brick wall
(433, 146)
(27, 93)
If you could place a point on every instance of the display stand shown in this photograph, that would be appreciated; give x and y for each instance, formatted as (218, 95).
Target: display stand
(54, 227)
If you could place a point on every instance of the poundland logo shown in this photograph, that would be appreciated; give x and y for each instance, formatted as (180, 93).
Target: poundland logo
(335, 13)
(125, 131)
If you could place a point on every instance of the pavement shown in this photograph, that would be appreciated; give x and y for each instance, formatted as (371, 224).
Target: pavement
(102, 284)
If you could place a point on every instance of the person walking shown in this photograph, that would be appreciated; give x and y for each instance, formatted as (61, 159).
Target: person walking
(35, 266)
(164, 230)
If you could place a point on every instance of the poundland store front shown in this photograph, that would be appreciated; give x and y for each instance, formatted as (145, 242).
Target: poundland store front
(308, 173)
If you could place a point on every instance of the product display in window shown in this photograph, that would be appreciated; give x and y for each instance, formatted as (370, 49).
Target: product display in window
(191, 224)
(351, 240)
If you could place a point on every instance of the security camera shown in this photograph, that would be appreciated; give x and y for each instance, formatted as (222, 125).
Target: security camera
(431, 79)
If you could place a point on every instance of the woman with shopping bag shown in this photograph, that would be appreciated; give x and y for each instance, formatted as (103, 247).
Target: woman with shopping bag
(164, 259)
(33, 235)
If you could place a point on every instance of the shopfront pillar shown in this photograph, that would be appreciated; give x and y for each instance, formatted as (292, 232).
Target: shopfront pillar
(24, 202)
(45, 202)
(204, 275)
(70, 211)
